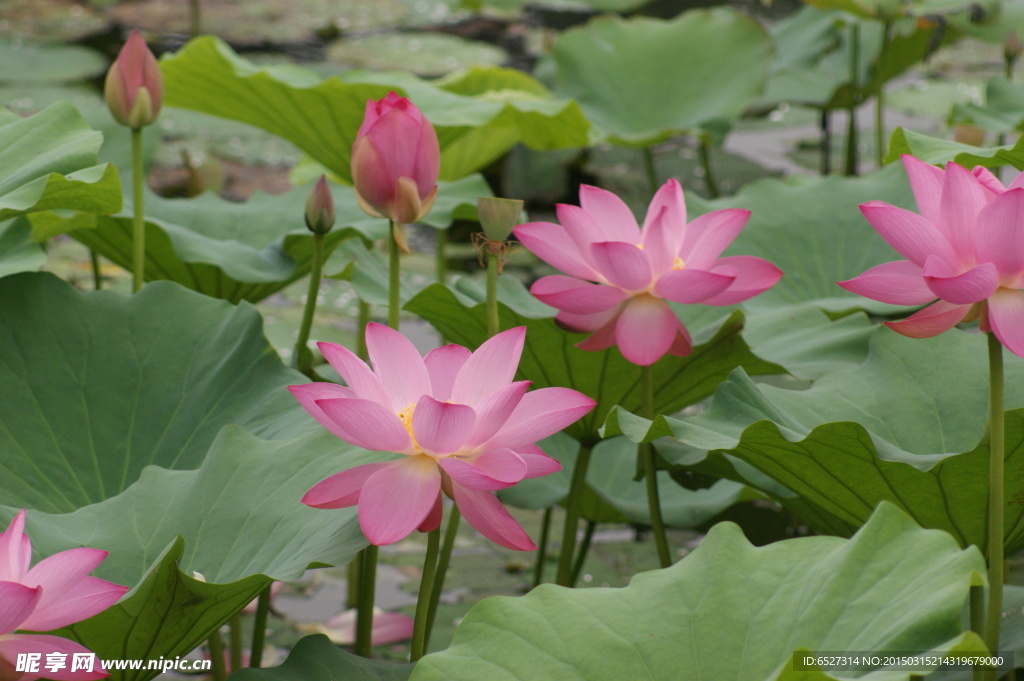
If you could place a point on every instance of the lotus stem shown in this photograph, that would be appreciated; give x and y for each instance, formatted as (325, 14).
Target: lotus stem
(302, 358)
(851, 129)
(235, 636)
(997, 454)
(581, 556)
(216, 646)
(880, 97)
(646, 452)
(196, 17)
(139, 218)
(394, 280)
(441, 257)
(572, 516)
(364, 319)
(493, 322)
(97, 275)
(826, 142)
(364, 608)
(652, 174)
(542, 549)
(704, 150)
(419, 634)
(442, 568)
(259, 627)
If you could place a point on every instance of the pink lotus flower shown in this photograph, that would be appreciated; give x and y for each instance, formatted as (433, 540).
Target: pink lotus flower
(637, 269)
(53, 594)
(134, 88)
(966, 249)
(463, 427)
(388, 627)
(395, 161)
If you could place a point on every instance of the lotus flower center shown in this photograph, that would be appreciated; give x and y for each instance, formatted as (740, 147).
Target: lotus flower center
(678, 264)
(405, 416)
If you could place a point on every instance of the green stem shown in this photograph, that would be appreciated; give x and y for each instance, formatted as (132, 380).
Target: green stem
(976, 610)
(302, 358)
(581, 555)
(880, 97)
(394, 280)
(705, 163)
(826, 142)
(364, 608)
(572, 516)
(197, 17)
(364, 319)
(139, 218)
(542, 549)
(493, 323)
(652, 174)
(97, 274)
(995, 493)
(259, 627)
(646, 451)
(419, 632)
(441, 256)
(217, 667)
(352, 590)
(235, 636)
(851, 130)
(442, 568)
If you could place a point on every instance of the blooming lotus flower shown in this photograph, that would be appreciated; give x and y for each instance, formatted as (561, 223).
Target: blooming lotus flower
(53, 594)
(134, 88)
(460, 422)
(395, 161)
(965, 249)
(635, 270)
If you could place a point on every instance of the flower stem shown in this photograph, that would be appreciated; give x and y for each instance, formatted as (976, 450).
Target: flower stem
(880, 97)
(97, 274)
(704, 150)
(419, 633)
(196, 14)
(652, 174)
(442, 569)
(851, 130)
(572, 516)
(217, 667)
(542, 549)
(493, 323)
(995, 493)
(394, 281)
(646, 452)
(139, 218)
(364, 608)
(259, 627)
(235, 636)
(302, 358)
(364, 319)
(441, 257)
(826, 141)
(581, 557)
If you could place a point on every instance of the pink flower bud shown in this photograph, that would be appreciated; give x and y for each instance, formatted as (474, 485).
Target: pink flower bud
(395, 161)
(320, 208)
(134, 89)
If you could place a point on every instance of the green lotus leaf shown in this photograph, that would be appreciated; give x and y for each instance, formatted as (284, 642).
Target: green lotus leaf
(323, 117)
(939, 151)
(19, 252)
(731, 611)
(950, 10)
(48, 162)
(27, 62)
(316, 658)
(1002, 112)
(643, 80)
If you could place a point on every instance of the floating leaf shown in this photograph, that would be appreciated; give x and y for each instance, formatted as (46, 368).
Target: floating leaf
(315, 658)
(26, 62)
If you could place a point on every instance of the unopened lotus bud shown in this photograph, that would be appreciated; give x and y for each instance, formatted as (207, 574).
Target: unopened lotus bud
(1012, 47)
(320, 208)
(498, 216)
(134, 88)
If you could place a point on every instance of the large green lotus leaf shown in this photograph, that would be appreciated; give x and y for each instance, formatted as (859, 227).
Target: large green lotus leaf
(642, 80)
(551, 358)
(316, 658)
(27, 62)
(1002, 112)
(907, 426)
(949, 10)
(19, 252)
(96, 386)
(323, 117)
(236, 520)
(812, 230)
(731, 611)
(48, 162)
(939, 151)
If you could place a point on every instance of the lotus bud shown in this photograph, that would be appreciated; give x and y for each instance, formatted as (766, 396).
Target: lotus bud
(498, 216)
(1012, 47)
(320, 208)
(134, 89)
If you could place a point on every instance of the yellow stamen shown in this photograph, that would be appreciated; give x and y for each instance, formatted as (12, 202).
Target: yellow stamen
(678, 264)
(405, 416)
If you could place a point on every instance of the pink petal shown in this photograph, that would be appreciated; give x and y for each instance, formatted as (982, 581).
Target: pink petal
(575, 296)
(931, 321)
(588, 323)
(433, 519)
(539, 414)
(659, 243)
(387, 627)
(12, 646)
(645, 330)
(484, 512)
(581, 227)
(999, 236)
(493, 470)
(972, 286)
(494, 411)
(87, 597)
(364, 383)
(913, 237)
(442, 427)
(988, 180)
(899, 283)
(1017, 183)
(15, 550)
(398, 364)
(622, 264)
(669, 208)
(552, 244)
(688, 286)
(926, 182)
(538, 463)
(709, 235)
(426, 160)
(16, 603)
(753, 276)
(341, 490)
(443, 365)
(683, 344)
(308, 394)
(1006, 317)
(614, 218)
(963, 197)
(398, 498)
(367, 424)
(490, 368)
